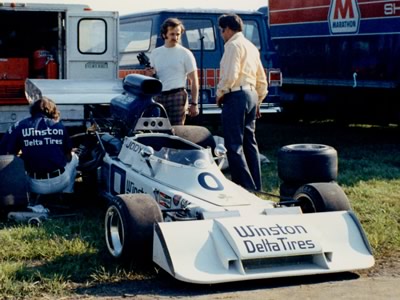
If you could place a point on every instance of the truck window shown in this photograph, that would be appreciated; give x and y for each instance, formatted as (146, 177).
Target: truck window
(135, 36)
(252, 33)
(195, 29)
(92, 36)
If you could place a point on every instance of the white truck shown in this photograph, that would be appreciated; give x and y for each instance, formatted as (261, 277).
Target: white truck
(43, 43)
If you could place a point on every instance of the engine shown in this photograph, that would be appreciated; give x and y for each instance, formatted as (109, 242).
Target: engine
(127, 108)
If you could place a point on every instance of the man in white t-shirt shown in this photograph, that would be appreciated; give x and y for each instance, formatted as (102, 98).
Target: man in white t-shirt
(173, 65)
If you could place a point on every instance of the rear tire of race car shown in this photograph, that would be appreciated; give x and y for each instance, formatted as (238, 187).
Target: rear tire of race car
(13, 183)
(303, 163)
(129, 223)
(196, 134)
(322, 197)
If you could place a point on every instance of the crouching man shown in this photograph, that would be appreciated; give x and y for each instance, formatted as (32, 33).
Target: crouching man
(45, 148)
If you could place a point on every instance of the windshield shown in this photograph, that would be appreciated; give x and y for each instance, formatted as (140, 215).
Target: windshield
(192, 157)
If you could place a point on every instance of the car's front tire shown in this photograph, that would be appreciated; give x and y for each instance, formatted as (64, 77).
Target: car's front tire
(129, 223)
(322, 197)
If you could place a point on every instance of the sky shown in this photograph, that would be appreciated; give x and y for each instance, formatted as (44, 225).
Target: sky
(130, 6)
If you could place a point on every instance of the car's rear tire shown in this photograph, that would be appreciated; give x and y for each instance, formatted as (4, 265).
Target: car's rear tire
(322, 197)
(304, 163)
(129, 223)
(13, 183)
(196, 134)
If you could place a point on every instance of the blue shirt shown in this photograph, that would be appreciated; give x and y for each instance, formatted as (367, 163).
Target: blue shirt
(44, 143)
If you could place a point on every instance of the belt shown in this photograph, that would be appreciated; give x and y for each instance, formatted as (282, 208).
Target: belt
(173, 91)
(42, 175)
(241, 88)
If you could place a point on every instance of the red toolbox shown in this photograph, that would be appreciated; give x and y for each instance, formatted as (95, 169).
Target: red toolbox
(14, 68)
(13, 72)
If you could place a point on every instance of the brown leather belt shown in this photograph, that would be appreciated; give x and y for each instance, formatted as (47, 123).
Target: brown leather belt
(42, 175)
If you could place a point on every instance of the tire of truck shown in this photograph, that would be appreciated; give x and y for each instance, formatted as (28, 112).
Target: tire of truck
(129, 222)
(322, 197)
(13, 183)
(304, 163)
(196, 134)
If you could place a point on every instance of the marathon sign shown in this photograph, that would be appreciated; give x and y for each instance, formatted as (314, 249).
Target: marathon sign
(344, 17)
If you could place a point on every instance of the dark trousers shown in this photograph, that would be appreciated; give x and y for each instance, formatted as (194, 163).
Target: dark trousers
(239, 125)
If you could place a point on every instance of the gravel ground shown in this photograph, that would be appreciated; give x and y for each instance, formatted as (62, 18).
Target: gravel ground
(380, 282)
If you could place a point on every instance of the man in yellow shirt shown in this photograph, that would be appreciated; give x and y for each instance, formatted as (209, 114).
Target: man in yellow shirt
(241, 89)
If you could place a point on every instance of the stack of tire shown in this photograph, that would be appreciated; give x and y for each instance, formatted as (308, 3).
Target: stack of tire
(300, 164)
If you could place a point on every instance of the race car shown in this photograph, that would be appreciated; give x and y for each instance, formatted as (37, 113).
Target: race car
(168, 201)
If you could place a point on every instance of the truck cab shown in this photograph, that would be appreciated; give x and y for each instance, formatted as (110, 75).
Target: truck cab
(52, 42)
(140, 32)
(339, 58)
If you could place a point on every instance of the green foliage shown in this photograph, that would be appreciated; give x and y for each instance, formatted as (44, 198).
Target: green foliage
(66, 253)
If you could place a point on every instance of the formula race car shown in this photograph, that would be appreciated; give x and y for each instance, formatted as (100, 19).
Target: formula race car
(169, 201)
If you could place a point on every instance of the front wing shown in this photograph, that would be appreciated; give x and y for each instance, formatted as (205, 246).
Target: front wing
(263, 246)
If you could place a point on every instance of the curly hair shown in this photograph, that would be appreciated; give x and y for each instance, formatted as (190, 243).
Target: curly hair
(46, 107)
(170, 22)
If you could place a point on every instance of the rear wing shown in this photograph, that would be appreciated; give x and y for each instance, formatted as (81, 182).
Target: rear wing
(73, 91)
(72, 95)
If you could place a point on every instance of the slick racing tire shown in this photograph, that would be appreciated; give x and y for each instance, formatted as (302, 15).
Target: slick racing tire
(13, 183)
(196, 134)
(304, 163)
(321, 197)
(129, 222)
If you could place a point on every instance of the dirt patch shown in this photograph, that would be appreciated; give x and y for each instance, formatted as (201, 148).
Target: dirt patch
(384, 268)
(380, 282)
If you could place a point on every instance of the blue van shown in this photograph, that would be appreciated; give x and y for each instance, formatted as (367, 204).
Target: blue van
(139, 32)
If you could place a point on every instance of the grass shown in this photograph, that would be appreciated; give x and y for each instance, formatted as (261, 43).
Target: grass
(369, 171)
(68, 254)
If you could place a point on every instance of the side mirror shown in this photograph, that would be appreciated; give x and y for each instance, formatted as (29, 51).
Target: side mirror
(220, 156)
(220, 151)
(147, 151)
